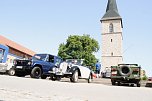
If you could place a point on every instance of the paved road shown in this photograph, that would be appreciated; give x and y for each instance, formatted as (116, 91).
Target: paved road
(104, 81)
(27, 89)
(95, 81)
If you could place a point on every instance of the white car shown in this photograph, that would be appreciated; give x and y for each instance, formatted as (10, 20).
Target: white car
(149, 82)
(3, 67)
(7, 68)
(71, 70)
(106, 73)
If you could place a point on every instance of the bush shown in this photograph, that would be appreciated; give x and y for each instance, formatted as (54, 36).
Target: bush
(144, 78)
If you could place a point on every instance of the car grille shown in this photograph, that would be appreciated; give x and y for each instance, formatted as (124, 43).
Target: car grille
(22, 62)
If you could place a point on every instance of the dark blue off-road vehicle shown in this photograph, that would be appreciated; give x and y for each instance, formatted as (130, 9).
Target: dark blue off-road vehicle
(38, 66)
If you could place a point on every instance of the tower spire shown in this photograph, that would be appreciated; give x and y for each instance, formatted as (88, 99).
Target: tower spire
(111, 11)
(112, 36)
(112, 5)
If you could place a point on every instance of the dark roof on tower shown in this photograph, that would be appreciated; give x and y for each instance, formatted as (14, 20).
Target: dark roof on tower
(111, 11)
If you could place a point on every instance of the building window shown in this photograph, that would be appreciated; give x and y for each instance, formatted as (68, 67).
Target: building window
(111, 40)
(111, 28)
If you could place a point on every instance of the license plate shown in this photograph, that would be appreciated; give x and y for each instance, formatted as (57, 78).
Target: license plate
(20, 67)
(58, 73)
(135, 75)
(149, 82)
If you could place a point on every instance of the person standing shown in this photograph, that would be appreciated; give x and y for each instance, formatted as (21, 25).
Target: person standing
(98, 68)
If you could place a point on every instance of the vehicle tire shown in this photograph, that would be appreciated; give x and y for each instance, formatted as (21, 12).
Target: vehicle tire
(119, 83)
(113, 82)
(138, 84)
(125, 70)
(11, 72)
(52, 78)
(75, 76)
(43, 76)
(132, 85)
(103, 75)
(58, 78)
(36, 72)
(90, 78)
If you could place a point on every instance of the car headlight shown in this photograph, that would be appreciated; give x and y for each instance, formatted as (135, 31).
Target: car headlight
(58, 70)
(14, 62)
(29, 63)
(53, 69)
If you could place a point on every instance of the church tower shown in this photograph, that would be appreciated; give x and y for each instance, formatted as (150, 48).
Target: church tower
(111, 36)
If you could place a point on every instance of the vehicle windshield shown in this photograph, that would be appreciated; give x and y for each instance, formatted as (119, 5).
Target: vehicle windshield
(39, 57)
(1, 54)
(75, 61)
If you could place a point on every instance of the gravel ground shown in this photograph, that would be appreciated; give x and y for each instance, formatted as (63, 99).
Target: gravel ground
(27, 89)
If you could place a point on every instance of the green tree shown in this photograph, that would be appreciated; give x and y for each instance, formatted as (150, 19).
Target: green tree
(79, 47)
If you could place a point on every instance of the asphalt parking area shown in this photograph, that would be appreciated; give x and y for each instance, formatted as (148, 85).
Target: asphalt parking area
(104, 81)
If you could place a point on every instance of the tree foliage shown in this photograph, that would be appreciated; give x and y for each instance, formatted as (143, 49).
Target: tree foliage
(79, 47)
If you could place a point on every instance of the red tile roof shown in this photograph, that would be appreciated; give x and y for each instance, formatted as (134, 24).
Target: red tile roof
(15, 45)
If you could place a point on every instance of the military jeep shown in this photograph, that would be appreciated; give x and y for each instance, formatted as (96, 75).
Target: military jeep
(125, 74)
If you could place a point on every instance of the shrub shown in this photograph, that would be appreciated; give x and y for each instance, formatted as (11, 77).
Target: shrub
(144, 78)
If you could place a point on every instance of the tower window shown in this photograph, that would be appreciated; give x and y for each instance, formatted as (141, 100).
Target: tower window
(111, 40)
(111, 28)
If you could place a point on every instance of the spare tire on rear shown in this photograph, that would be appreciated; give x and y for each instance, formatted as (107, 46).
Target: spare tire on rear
(125, 70)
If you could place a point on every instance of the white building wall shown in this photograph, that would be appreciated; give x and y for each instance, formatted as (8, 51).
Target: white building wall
(116, 23)
(110, 61)
(111, 44)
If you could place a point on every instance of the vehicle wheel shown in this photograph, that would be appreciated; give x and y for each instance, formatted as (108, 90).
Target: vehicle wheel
(90, 78)
(132, 85)
(43, 76)
(113, 82)
(119, 84)
(11, 72)
(125, 70)
(74, 77)
(138, 84)
(58, 78)
(36, 72)
(53, 78)
(103, 75)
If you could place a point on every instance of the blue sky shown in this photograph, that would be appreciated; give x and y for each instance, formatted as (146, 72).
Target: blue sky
(41, 25)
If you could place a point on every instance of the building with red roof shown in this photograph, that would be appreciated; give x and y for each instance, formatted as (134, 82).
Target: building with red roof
(16, 49)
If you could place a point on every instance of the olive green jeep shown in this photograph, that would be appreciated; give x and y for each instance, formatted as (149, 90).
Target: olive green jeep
(125, 74)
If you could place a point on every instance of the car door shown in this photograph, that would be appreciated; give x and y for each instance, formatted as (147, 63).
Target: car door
(49, 62)
(85, 72)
